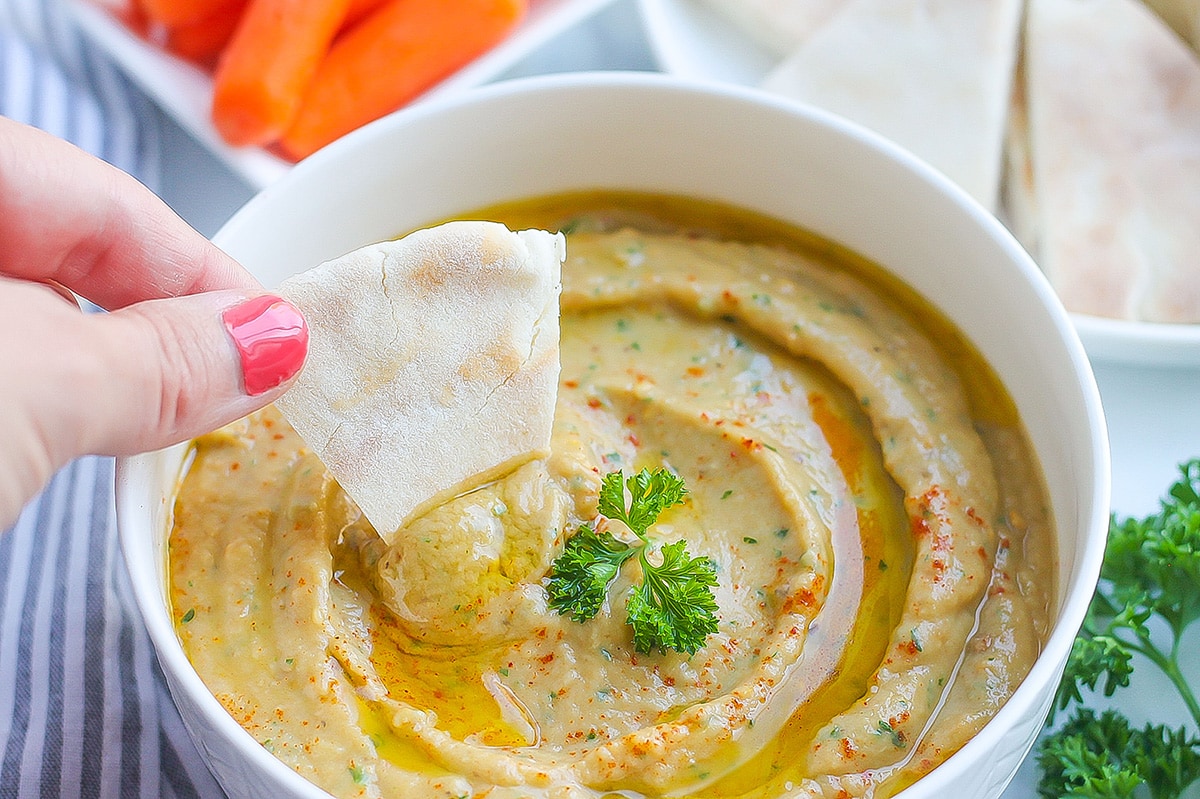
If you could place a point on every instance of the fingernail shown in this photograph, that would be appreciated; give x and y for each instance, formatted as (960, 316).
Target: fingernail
(271, 338)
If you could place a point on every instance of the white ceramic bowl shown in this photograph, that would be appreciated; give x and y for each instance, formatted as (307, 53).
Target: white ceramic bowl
(652, 133)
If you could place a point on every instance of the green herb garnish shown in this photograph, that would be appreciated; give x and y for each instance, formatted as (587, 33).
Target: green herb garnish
(1151, 569)
(674, 606)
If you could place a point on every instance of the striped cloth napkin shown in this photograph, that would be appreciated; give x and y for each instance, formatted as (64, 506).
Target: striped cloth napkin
(84, 709)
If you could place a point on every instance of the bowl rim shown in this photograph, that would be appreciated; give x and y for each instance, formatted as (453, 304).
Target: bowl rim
(1083, 577)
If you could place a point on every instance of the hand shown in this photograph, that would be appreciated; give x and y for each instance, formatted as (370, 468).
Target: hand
(192, 341)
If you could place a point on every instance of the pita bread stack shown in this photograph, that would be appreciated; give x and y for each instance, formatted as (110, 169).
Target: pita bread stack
(1089, 124)
(1105, 180)
(932, 75)
(433, 363)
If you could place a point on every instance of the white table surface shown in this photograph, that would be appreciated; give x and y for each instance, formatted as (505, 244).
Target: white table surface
(1153, 413)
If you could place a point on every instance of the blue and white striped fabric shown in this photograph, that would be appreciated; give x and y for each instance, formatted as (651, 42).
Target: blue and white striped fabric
(84, 710)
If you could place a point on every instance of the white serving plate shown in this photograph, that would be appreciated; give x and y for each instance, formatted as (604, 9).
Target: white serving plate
(690, 40)
(184, 91)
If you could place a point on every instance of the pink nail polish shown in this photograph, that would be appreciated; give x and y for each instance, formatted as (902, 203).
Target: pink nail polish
(271, 338)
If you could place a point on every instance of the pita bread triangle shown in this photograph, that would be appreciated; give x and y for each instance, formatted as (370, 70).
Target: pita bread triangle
(1111, 185)
(932, 75)
(433, 363)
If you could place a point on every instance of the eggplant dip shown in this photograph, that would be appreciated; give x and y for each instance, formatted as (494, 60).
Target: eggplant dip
(859, 491)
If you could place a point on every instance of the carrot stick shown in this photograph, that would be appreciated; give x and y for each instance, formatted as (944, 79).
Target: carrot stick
(264, 70)
(358, 10)
(389, 58)
(202, 41)
(174, 13)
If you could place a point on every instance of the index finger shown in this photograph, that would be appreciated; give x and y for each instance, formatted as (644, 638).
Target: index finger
(70, 217)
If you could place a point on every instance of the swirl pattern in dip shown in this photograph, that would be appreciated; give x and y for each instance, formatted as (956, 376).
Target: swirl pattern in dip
(879, 530)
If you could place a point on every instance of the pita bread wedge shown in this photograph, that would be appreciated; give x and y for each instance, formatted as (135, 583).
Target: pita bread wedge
(432, 366)
(777, 25)
(932, 75)
(1113, 145)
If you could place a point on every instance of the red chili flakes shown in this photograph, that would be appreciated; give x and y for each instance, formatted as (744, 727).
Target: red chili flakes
(695, 371)
(804, 598)
(729, 297)
(594, 403)
(633, 439)
(848, 749)
(571, 383)
(546, 659)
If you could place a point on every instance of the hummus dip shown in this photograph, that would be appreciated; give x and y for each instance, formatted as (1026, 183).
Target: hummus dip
(879, 529)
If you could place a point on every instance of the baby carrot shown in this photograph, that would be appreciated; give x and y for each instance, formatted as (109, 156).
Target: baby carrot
(174, 13)
(202, 41)
(264, 70)
(389, 58)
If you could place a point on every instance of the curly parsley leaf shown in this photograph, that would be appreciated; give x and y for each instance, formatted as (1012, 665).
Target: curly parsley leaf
(588, 565)
(1103, 757)
(674, 606)
(1151, 570)
(650, 493)
(1091, 659)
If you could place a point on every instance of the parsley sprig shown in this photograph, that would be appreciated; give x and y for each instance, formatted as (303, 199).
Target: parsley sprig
(674, 606)
(1151, 570)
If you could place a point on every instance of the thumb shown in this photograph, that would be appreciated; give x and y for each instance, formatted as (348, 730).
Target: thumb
(184, 366)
